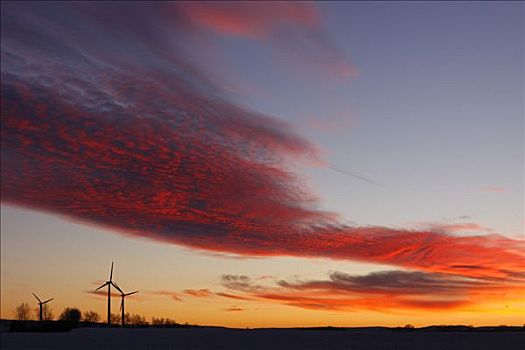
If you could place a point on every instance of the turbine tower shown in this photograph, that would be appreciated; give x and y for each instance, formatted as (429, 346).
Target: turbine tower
(109, 284)
(41, 303)
(124, 295)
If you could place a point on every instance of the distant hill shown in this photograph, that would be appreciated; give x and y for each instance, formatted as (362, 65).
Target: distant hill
(65, 326)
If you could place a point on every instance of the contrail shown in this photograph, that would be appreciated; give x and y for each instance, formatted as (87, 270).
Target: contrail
(353, 174)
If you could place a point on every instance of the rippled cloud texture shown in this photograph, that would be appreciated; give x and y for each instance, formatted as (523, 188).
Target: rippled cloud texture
(105, 120)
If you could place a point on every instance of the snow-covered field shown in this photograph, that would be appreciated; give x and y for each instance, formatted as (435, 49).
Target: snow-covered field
(272, 339)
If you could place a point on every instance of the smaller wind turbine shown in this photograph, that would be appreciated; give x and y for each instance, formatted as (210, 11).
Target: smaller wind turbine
(123, 296)
(109, 284)
(41, 303)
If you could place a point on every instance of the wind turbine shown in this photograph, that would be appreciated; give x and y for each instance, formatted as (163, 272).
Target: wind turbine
(40, 303)
(124, 295)
(109, 284)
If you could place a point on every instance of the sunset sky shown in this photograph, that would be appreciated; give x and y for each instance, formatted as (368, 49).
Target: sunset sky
(266, 165)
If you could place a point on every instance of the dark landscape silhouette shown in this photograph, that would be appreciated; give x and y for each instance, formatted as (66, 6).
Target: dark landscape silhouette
(28, 335)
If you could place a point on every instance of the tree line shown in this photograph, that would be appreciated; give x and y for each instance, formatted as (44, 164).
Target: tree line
(24, 312)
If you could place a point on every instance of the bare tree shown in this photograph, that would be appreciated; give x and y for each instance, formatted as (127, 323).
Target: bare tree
(23, 312)
(47, 313)
(91, 316)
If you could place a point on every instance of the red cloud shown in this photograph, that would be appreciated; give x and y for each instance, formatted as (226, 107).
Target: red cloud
(248, 19)
(293, 25)
(189, 185)
(171, 294)
(144, 145)
(199, 293)
(232, 296)
(343, 303)
(234, 308)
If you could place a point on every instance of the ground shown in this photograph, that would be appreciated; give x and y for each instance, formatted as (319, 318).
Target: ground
(220, 338)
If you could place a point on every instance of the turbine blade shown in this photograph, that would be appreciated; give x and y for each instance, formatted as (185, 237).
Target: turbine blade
(131, 293)
(48, 300)
(102, 286)
(114, 285)
(111, 273)
(37, 298)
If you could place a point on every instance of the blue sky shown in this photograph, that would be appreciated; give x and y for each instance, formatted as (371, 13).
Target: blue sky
(435, 112)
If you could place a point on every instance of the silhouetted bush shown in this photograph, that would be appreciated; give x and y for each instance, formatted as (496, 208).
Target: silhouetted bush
(91, 317)
(116, 319)
(135, 320)
(72, 315)
(163, 322)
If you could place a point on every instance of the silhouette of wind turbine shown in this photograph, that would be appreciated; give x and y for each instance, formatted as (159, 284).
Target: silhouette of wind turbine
(124, 295)
(41, 303)
(109, 284)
